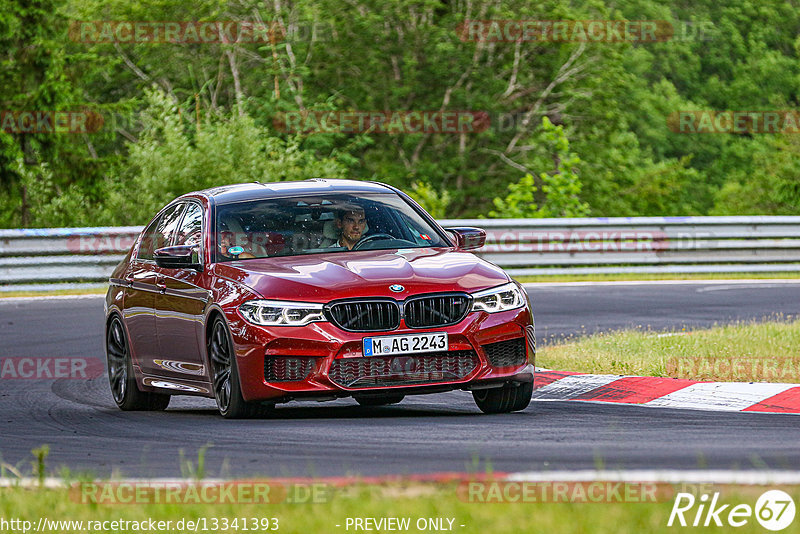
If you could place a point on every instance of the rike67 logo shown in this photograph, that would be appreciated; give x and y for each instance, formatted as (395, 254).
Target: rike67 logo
(774, 510)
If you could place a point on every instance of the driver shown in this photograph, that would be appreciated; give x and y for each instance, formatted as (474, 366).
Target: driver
(351, 222)
(227, 243)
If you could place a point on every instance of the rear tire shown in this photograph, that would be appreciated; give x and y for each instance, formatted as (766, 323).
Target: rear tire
(120, 374)
(227, 389)
(509, 398)
(384, 400)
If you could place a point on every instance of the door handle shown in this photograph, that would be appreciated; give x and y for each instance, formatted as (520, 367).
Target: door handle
(161, 284)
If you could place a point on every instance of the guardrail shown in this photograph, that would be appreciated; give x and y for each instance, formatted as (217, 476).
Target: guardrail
(521, 246)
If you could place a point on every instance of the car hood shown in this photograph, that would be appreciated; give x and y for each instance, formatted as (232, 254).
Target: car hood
(325, 277)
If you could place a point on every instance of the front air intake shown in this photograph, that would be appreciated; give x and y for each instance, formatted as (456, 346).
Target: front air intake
(403, 370)
(287, 368)
(506, 353)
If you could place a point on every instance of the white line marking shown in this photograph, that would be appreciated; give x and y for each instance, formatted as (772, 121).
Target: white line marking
(720, 396)
(671, 476)
(534, 285)
(697, 408)
(730, 287)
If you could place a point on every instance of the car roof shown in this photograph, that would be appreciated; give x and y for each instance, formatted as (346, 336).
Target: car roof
(258, 190)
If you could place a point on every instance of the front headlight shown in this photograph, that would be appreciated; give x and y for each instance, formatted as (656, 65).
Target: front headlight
(281, 313)
(497, 299)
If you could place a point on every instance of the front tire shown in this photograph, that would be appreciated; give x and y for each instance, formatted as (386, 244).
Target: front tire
(120, 374)
(227, 389)
(506, 399)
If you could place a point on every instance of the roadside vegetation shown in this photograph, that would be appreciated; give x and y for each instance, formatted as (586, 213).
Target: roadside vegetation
(764, 351)
(575, 128)
(412, 500)
(477, 502)
(54, 292)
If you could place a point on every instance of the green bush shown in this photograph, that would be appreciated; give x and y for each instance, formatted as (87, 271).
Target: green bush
(560, 188)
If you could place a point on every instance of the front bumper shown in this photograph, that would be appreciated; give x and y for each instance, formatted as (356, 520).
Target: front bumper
(327, 348)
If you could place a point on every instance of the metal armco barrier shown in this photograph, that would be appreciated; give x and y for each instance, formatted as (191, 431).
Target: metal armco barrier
(521, 246)
(607, 245)
(43, 255)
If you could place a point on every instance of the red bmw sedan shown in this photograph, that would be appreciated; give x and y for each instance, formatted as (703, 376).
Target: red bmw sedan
(257, 294)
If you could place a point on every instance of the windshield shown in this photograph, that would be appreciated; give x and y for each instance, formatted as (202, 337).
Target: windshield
(320, 224)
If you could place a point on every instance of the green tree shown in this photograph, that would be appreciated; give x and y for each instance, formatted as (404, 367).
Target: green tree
(561, 188)
(612, 100)
(776, 188)
(174, 156)
(435, 202)
(32, 78)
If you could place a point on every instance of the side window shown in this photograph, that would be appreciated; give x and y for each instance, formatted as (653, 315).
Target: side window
(190, 231)
(167, 226)
(146, 247)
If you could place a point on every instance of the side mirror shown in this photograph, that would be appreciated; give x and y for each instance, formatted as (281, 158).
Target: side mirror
(178, 257)
(468, 238)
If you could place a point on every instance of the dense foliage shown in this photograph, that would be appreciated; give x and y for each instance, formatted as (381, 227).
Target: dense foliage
(575, 128)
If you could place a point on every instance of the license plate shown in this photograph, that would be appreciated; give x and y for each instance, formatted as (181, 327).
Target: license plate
(406, 344)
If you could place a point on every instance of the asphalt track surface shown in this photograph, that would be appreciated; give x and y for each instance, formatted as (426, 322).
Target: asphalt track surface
(424, 434)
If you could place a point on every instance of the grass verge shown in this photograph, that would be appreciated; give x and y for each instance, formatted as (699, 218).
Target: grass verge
(416, 502)
(766, 351)
(54, 292)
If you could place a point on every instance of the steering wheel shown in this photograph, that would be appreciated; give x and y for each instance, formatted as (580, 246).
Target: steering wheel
(372, 237)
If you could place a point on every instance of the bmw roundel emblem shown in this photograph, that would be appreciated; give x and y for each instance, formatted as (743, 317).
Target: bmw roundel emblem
(397, 288)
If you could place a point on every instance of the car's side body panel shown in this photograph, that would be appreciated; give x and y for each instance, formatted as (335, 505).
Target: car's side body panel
(179, 319)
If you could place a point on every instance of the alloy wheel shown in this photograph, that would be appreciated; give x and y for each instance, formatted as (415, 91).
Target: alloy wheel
(117, 351)
(220, 353)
